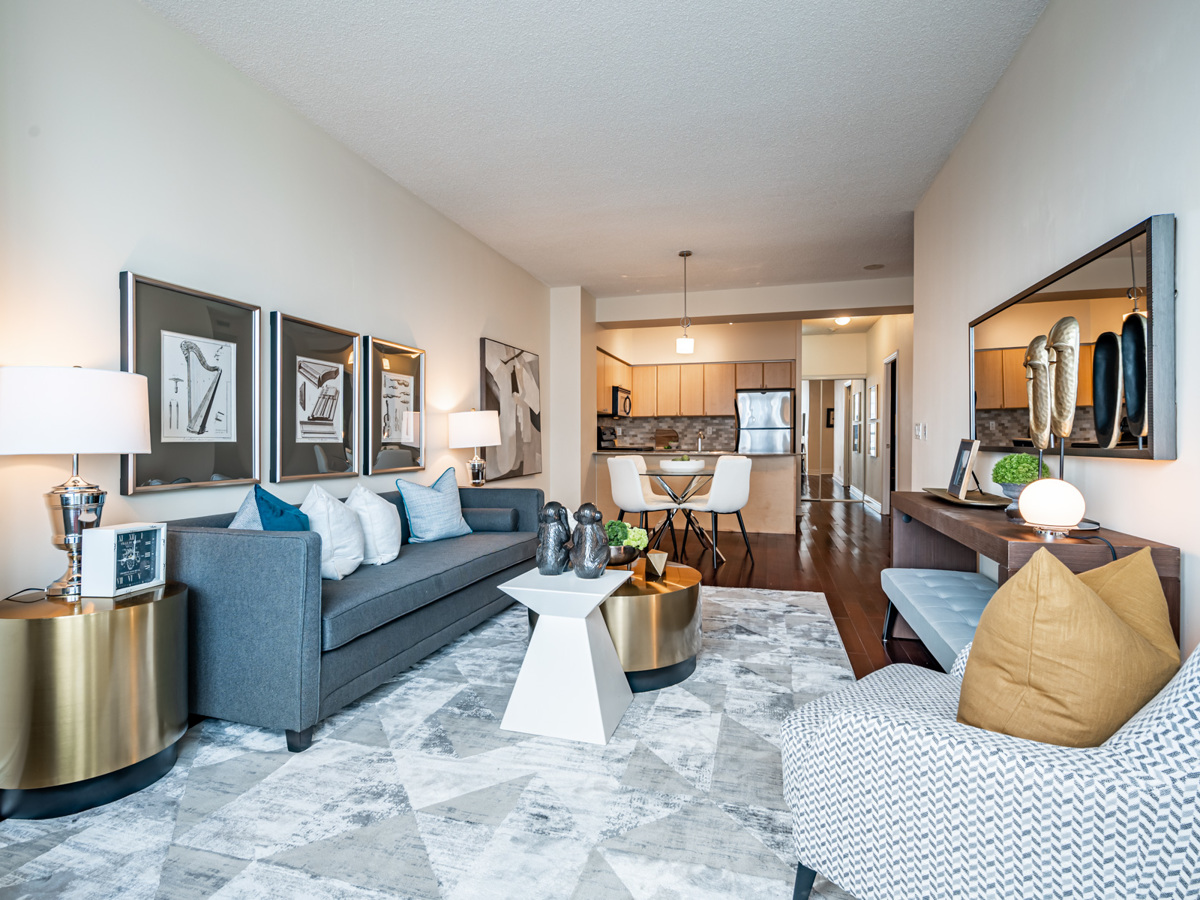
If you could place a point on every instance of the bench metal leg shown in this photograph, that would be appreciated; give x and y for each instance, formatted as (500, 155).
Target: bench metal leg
(805, 878)
(889, 621)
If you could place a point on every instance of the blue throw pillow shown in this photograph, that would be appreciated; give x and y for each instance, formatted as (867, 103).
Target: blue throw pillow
(434, 512)
(276, 515)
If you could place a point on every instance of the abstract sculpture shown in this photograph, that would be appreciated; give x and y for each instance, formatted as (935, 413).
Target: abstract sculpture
(1037, 384)
(1107, 387)
(589, 544)
(1052, 381)
(554, 538)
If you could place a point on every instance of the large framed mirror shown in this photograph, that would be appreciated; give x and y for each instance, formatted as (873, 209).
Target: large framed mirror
(1125, 402)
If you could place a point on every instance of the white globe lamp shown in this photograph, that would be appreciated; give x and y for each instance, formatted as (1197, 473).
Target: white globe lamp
(1051, 506)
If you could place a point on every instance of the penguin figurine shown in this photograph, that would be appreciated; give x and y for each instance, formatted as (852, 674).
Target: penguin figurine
(589, 550)
(554, 535)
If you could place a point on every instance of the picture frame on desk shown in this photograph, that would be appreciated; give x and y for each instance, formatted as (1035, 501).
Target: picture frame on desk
(200, 355)
(964, 463)
(314, 409)
(393, 408)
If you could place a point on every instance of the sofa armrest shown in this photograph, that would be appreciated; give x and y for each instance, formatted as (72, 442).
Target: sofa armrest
(254, 623)
(526, 501)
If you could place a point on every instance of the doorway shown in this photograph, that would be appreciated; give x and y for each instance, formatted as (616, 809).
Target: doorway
(830, 464)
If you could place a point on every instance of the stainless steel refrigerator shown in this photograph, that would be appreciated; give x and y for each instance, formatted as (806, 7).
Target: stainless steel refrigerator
(766, 421)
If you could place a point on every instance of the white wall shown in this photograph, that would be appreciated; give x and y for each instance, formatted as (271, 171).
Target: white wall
(1042, 176)
(772, 302)
(891, 334)
(714, 343)
(835, 355)
(127, 146)
(572, 440)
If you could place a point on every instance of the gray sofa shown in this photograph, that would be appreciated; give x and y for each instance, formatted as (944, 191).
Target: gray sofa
(271, 644)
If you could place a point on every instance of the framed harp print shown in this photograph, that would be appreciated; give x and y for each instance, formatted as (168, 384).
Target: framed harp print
(200, 355)
(393, 407)
(313, 410)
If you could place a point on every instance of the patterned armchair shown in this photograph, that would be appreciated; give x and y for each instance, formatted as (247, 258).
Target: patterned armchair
(892, 798)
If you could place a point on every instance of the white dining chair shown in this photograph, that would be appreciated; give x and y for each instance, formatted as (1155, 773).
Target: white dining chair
(647, 487)
(729, 492)
(629, 496)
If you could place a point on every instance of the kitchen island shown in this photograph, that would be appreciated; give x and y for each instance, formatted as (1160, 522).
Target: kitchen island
(771, 508)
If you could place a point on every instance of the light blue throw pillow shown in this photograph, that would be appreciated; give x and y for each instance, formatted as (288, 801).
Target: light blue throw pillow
(434, 512)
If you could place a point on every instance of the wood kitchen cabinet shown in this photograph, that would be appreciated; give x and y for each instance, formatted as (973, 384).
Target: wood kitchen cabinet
(1012, 370)
(778, 375)
(1084, 395)
(668, 391)
(603, 386)
(989, 380)
(645, 390)
(749, 375)
(691, 389)
(719, 385)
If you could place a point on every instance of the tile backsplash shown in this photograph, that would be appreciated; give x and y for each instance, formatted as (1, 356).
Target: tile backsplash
(998, 427)
(719, 431)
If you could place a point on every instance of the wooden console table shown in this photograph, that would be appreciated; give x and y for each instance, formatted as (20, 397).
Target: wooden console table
(928, 533)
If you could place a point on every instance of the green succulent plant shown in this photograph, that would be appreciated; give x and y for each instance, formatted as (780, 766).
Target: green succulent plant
(1018, 468)
(617, 532)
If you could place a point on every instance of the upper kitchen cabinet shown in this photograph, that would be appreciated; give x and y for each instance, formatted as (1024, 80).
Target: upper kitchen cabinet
(778, 376)
(989, 379)
(691, 390)
(603, 386)
(668, 391)
(719, 382)
(749, 376)
(645, 390)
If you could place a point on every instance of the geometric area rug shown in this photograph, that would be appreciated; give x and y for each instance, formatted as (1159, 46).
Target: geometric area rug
(415, 792)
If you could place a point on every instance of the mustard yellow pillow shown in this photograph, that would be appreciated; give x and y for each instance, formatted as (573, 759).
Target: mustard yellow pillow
(1068, 659)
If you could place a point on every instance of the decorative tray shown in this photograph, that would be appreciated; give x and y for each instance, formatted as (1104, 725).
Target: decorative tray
(973, 498)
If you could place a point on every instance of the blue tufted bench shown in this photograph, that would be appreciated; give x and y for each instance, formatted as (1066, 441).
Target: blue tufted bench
(941, 606)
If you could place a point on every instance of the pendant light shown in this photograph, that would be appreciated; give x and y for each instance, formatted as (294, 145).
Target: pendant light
(1133, 292)
(685, 344)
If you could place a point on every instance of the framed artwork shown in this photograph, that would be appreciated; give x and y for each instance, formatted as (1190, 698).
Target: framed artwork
(393, 407)
(873, 402)
(200, 355)
(856, 438)
(313, 409)
(857, 407)
(873, 438)
(511, 385)
(964, 462)
(829, 417)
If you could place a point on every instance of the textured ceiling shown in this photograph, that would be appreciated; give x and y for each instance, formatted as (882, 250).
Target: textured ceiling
(784, 141)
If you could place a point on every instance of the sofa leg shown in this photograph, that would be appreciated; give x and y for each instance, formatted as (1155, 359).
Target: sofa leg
(299, 740)
(805, 877)
(889, 622)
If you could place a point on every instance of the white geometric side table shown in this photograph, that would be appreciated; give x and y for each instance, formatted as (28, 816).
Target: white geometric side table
(571, 683)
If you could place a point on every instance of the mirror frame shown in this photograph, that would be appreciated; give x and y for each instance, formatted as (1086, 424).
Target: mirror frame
(1160, 297)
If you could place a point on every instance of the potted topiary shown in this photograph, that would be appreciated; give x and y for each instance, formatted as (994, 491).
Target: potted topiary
(624, 542)
(1012, 473)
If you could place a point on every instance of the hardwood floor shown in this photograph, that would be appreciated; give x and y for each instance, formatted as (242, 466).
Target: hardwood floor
(839, 550)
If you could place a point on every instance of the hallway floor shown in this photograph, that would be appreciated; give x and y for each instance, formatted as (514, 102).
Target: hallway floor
(839, 549)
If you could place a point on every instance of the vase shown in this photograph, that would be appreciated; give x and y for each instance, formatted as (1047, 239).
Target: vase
(621, 556)
(1012, 492)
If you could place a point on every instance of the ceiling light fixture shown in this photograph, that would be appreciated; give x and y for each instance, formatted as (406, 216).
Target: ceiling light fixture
(1133, 293)
(842, 320)
(685, 344)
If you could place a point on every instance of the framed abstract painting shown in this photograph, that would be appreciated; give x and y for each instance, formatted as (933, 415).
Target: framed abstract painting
(199, 353)
(313, 408)
(393, 407)
(511, 385)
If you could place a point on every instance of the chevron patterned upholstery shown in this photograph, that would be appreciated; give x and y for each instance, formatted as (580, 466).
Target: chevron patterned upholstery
(892, 798)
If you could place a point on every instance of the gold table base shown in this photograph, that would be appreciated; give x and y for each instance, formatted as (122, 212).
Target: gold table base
(90, 688)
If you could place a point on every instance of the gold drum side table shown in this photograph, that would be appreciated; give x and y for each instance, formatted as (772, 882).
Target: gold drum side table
(655, 626)
(93, 698)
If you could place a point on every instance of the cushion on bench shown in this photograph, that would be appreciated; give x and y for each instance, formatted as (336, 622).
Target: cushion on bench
(942, 606)
(422, 573)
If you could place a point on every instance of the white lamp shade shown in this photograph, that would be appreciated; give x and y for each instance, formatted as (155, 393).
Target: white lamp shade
(1051, 504)
(59, 410)
(685, 345)
(477, 428)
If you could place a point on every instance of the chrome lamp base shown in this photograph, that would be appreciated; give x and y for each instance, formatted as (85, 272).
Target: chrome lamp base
(74, 505)
(477, 466)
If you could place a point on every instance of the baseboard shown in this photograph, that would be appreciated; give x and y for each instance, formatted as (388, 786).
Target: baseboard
(857, 494)
(871, 503)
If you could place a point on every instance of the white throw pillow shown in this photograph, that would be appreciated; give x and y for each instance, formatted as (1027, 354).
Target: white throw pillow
(380, 522)
(340, 530)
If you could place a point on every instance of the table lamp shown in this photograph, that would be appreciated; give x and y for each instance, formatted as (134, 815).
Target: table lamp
(477, 428)
(1051, 506)
(53, 411)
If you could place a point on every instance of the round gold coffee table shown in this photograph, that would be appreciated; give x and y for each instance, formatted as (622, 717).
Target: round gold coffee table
(93, 698)
(655, 626)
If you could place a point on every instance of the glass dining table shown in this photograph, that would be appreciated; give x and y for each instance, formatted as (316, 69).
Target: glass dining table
(696, 481)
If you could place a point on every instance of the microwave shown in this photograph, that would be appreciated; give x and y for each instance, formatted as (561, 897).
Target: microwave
(622, 402)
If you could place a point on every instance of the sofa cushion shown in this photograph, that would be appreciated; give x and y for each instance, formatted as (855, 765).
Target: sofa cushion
(481, 518)
(434, 511)
(421, 574)
(340, 530)
(380, 524)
